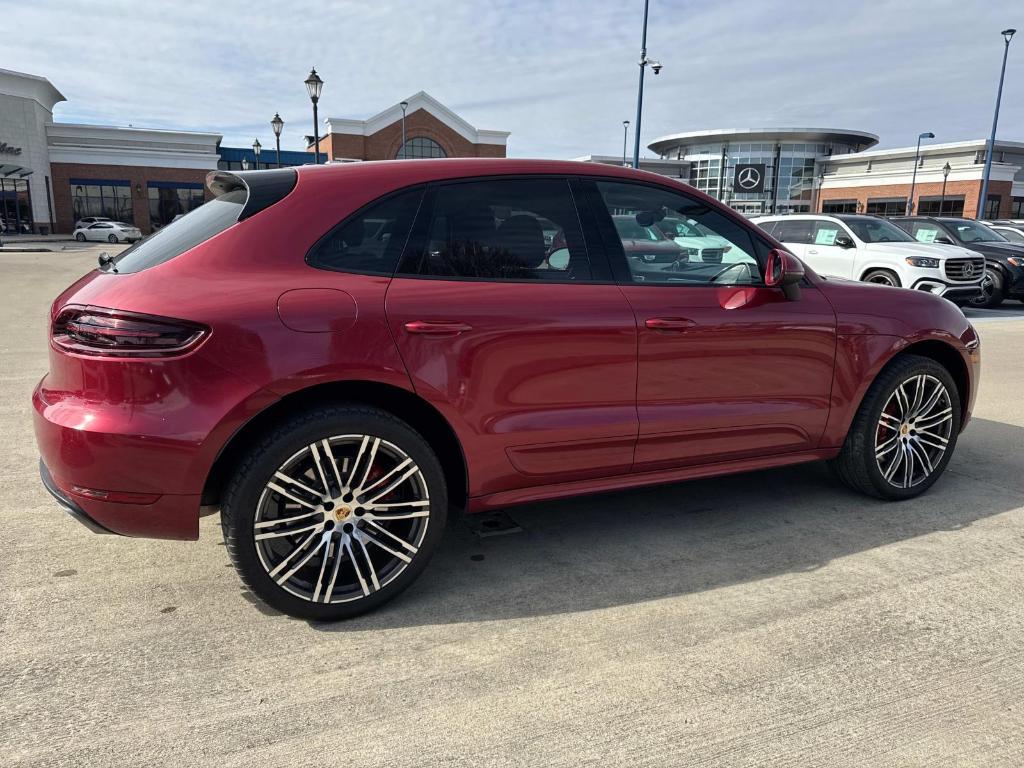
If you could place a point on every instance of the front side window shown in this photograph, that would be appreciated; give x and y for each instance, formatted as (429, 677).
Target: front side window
(694, 244)
(826, 232)
(505, 229)
(924, 231)
(795, 231)
(371, 241)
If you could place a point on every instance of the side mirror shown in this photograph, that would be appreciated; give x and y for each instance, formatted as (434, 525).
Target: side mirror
(784, 271)
(844, 242)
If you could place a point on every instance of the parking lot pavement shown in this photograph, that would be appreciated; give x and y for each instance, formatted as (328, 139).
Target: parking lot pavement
(768, 619)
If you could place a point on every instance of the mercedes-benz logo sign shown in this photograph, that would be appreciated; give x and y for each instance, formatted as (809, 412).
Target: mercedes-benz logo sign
(749, 178)
(968, 269)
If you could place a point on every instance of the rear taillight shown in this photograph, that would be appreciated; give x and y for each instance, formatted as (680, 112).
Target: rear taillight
(96, 331)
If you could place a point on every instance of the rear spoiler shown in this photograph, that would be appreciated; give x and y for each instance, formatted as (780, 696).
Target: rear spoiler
(262, 188)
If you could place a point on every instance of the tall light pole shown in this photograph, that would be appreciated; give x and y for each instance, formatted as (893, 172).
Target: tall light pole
(404, 105)
(625, 133)
(945, 175)
(656, 66)
(913, 179)
(278, 125)
(256, 148)
(991, 148)
(315, 85)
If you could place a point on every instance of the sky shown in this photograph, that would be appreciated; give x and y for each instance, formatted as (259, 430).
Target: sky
(560, 75)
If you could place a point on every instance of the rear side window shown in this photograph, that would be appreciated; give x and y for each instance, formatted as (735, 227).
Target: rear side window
(797, 231)
(187, 232)
(504, 229)
(768, 226)
(371, 241)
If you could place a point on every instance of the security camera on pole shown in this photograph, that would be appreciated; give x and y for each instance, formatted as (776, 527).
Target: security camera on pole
(644, 62)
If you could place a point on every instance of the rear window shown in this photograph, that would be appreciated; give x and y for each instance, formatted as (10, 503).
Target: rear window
(187, 232)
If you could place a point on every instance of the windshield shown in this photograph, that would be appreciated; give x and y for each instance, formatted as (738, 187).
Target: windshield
(629, 229)
(973, 232)
(877, 231)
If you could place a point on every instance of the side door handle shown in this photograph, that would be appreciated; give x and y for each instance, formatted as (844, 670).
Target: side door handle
(812, 251)
(437, 327)
(670, 324)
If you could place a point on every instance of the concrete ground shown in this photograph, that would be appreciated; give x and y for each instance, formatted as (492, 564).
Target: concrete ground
(770, 619)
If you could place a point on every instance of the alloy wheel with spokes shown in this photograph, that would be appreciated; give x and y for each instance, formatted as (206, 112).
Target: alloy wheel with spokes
(904, 432)
(913, 431)
(336, 515)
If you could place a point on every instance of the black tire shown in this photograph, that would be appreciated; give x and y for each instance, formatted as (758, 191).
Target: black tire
(80, 237)
(883, 277)
(247, 490)
(856, 464)
(992, 291)
(112, 239)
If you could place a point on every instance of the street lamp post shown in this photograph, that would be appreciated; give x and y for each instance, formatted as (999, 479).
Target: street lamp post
(913, 179)
(625, 133)
(656, 67)
(256, 149)
(991, 148)
(404, 105)
(315, 85)
(945, 175)
(278, 125)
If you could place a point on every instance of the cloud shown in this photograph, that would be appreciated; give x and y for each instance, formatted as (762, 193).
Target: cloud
(560, 75)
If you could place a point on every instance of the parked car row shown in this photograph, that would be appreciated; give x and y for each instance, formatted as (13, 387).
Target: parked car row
(965, 261)
(1004, 260)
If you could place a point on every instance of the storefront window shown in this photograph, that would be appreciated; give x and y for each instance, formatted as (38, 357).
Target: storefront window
(952, 205)
(992, 208)
(15, 206)
(93, 197)
(839, 206)
(1017, 208)
(169, 199)
(887, 206)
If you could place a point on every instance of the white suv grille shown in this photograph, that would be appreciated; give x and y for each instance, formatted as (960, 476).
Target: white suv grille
(965, 270)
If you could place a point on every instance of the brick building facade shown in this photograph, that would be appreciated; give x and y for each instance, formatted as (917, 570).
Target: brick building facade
(431, 130)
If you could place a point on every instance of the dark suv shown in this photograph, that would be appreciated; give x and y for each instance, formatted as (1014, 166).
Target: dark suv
(1004, 273)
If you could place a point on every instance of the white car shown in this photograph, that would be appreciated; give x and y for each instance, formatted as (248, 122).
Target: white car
(701, 243)
(109, 231)
(877, 251)
(1013, 232)
(85, 221)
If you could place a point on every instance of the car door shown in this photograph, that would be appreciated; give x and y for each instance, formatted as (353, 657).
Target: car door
(728, 368)
(822, 253)
(527, 347)
(97, 231)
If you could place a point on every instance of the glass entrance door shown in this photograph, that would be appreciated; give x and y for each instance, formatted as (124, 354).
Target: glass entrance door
(15, 206)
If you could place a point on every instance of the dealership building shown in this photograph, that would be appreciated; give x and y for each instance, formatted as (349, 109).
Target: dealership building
(803, 170)
(52, 173)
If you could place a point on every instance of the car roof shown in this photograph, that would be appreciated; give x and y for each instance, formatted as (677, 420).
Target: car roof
(408, 172)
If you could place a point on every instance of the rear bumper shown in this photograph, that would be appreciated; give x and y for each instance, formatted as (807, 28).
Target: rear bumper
(67, 502)
(113, 481)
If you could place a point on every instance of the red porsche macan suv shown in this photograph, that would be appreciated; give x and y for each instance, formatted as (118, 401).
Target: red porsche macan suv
(337, 355)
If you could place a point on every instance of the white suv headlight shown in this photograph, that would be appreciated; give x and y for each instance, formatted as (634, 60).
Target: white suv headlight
(923, 261)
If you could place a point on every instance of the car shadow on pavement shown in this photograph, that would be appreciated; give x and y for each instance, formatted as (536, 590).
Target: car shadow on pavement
(628, 547)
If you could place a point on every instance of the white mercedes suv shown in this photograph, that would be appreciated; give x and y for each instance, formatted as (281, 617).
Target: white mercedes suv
(874, 250)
